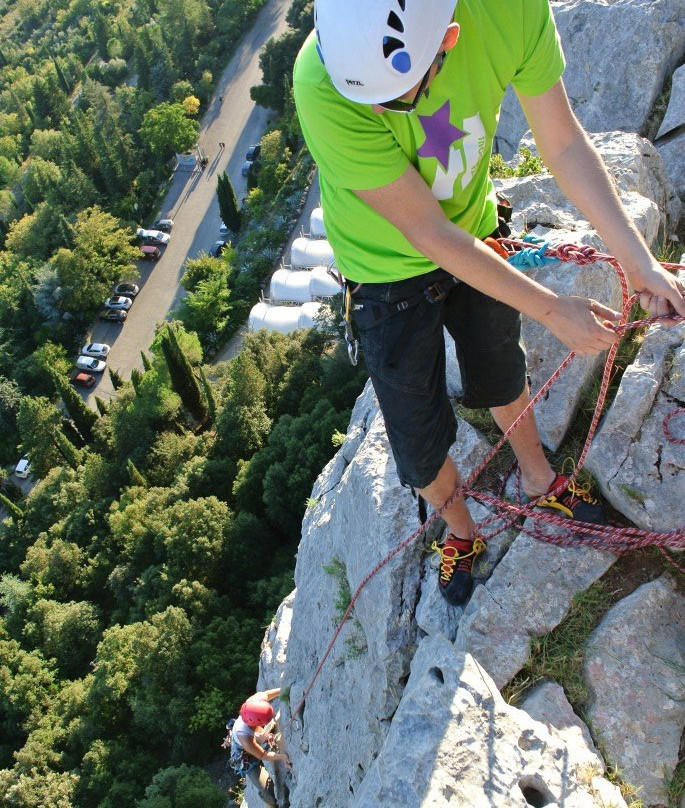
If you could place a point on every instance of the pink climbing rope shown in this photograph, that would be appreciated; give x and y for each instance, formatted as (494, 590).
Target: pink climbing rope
(610, 538)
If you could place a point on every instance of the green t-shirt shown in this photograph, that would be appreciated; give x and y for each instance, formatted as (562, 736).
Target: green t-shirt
(448, 138)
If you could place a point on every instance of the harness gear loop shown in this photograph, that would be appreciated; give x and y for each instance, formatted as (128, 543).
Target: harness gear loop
(350, 339)
(449, 556)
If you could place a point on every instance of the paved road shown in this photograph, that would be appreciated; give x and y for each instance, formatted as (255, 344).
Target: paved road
(191, 199)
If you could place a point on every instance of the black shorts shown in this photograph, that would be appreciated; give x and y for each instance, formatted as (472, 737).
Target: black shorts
(411, 389)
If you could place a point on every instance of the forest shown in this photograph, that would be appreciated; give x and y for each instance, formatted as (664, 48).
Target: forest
(138, 576)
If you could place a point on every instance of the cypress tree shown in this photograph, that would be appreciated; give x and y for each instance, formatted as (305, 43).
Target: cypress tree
(209, 395)
(228, 206)
(101, 404)
(147, 365)
(117, 381)
(136, 477)
(12, 507)
(71, 455)
(136, 378)
(72, 433)
(84, 418)
(182, 377)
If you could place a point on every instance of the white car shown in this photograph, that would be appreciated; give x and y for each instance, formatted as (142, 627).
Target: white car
(23, 468)
(118, 302)
(224, 229)
(97, 349)
(153, 236)
(90, 364)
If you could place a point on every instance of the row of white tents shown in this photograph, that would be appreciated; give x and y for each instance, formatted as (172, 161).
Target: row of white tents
(310, 278)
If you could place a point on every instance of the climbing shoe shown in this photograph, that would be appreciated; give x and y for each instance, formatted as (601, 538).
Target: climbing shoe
(456, 562)
(574, 501)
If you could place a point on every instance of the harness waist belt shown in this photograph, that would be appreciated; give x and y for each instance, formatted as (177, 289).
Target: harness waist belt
(373, 312)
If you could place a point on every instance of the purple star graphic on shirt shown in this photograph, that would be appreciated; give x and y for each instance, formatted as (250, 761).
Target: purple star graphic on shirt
(440, 135)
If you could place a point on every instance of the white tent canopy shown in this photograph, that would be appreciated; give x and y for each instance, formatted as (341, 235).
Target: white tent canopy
(301, 285)
(283, 318)
(316, 225)
(307, 252)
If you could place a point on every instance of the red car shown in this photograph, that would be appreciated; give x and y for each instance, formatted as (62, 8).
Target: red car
(83, 380)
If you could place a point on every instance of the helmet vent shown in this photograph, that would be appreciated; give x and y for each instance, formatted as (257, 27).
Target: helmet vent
(390, 45)
(402, 4)
(395, 22)
(401, 61)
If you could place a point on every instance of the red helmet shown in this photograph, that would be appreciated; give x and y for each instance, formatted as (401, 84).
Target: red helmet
(256, 712)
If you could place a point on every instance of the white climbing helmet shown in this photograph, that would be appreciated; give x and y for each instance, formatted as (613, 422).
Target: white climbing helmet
(377, 50)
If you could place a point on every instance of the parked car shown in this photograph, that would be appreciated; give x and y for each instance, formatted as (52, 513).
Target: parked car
(224, 229)
(113, 315)
(253, 152)
(23, 467)
(247, 166)
(153, 236)
(118, 302)
(126, 289)
(97, 349)
(166, 225)
(218, 247)
(83, 380)
(150, 252)
(91, 364)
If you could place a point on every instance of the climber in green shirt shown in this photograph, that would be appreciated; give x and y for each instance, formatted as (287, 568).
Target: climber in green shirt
(399, 102)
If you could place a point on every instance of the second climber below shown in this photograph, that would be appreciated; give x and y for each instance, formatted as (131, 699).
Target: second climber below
(250, 743)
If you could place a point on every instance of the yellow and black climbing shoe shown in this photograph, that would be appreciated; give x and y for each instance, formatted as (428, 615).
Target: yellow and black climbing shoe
(574, 501)
(456, 562)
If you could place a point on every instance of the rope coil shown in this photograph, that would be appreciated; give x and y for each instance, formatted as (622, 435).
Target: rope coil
(609, 538)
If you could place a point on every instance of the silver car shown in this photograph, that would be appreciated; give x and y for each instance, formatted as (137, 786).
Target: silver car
(90, 364)
(23, 468)
(118, 302)
(153, 236)
(97, 349)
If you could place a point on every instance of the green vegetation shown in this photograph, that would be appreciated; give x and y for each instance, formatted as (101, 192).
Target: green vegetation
(355, 642)
(676, 785)
(137, 576)
(559, 654)
(140, 572)
(94, 100)
(228, 207)
(528, 164)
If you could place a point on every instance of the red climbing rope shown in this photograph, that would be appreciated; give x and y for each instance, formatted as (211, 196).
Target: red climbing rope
(610, 538)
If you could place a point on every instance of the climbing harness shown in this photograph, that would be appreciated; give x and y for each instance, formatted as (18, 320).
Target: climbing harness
(371, 313)
(610, 538)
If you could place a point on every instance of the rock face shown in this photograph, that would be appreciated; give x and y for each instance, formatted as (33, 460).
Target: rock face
(406, 709)
(670, 138)
(641, 471)
(454, 741)
(510, 608)
(640, 647)
(539, 204)
(606, 90)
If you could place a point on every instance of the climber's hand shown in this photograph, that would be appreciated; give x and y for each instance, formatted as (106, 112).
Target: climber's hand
(661, 293)
(583, 325)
